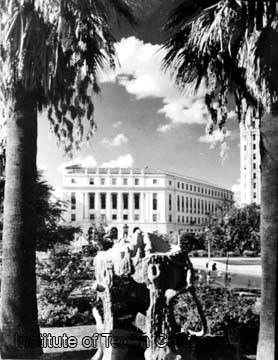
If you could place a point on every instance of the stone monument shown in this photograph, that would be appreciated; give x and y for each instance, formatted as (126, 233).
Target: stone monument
(138, 280)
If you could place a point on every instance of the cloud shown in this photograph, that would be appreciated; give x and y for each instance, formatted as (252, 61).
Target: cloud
(236, 190)
(179, 114)
(140, 72)
(117, 124)
(122, 161)
(118, 140)
(216, 136)
(224, 149)
(165, 128)
(88, 161)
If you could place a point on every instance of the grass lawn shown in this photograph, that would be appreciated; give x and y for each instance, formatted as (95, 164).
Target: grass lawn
(241, 261)
(243, 281)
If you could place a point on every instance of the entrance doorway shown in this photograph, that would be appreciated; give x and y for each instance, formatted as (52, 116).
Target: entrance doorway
(114, 233)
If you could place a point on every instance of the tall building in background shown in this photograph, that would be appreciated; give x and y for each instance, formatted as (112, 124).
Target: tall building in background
(250, 162)
(154, 200)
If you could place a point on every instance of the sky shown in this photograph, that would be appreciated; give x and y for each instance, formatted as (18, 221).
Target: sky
(144, 120)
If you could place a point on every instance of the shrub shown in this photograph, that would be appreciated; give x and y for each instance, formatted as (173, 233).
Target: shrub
(191, 242)
(249, 253)
(233, 253)
(199, 253)
(224, 309)
(58, 276)
(194, 253)
(218, 253)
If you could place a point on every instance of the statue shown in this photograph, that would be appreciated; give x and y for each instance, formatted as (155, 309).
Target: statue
(143, 275)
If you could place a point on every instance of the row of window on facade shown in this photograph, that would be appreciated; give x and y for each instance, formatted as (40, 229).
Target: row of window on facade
(254, 185)
(184, 204)
(114, 181)
(193, 205)
(253, 143)
(202, 190)
(180, 185)
(189, 220)
(125, 217)
(114, 201)
(115, 217)
(254, 147)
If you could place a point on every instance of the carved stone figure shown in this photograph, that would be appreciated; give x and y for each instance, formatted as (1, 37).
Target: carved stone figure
(143, 275)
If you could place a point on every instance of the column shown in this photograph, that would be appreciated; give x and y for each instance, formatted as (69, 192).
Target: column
(148, 207)
(162, 204)
(85, 205)
(142, 206)
(97, 202)
(120, 207)
(108, 206)
(130, 207)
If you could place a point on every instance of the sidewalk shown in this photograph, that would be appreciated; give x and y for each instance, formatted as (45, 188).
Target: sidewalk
(200, 263)
(242, 276)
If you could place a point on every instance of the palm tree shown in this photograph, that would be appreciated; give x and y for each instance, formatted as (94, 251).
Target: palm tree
(230, 48)
(50, 54)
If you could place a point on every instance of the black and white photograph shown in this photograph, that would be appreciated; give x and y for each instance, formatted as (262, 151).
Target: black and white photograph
(139, 179)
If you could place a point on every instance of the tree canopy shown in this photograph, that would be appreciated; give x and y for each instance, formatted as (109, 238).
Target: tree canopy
(238, 230)
(48, 221)
(55, 49)
(229, 46)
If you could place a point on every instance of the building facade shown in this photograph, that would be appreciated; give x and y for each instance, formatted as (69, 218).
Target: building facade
(250, 162)
(151, 199)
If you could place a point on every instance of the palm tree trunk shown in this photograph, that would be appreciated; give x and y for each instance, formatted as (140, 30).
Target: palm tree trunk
(19, 320)
(268, 336)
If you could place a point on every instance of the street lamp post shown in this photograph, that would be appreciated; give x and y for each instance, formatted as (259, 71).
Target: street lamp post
(211, 220)
(226, 221)
(227, 273)
(209, 252)
(125, 231)
(207, 231)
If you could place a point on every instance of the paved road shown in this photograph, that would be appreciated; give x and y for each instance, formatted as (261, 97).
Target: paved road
(200, 263)
(246, 276)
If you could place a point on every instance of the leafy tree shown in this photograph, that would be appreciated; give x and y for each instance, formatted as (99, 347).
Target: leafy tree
(58, 276)
(238, 230)
(190, 241)
(244, 228)
(230, 47)
(48, 220)
(50, 54)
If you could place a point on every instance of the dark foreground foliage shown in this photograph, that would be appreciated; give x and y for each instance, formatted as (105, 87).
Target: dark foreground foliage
(59, 304)
(228, 313)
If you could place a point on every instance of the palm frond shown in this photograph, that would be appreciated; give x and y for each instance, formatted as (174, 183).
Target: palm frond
(187, 12)
(122, 9)
(222, 44)
(55, 49)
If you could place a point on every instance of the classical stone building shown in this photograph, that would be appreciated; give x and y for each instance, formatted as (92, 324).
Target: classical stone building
(154, 200)
(250, 161)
